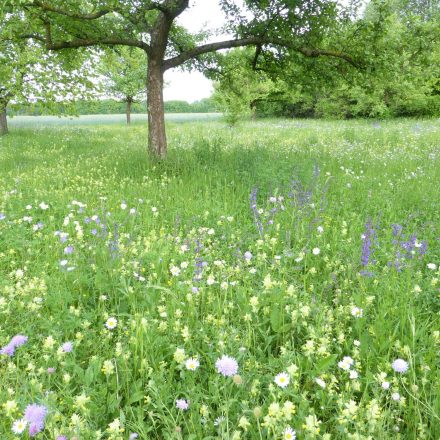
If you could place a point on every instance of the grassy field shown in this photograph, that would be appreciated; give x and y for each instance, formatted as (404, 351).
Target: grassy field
(274, 280)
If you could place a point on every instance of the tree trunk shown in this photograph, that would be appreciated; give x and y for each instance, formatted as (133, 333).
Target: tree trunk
(129, 102)
(3, 120)
(157, 140)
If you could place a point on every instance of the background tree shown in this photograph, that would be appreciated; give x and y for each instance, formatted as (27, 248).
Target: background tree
(29, 74)
(401, 74)
(124, 72)
(272, 26)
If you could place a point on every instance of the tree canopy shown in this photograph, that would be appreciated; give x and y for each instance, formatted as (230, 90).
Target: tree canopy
(276, 28)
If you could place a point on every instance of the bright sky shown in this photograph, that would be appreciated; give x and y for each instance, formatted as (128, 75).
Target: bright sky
(193, 86)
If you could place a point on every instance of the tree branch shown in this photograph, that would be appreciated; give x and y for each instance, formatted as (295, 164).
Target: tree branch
(252, 41)
(89, 16)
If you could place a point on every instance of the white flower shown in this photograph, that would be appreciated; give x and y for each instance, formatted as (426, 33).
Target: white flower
(357, 312)
(192, 364)
(346, 363)
(210, 280)
(132, 211)
(247, 255)
(282, 379)
(385, 385)
(395, 396)
(43, 206)
(19, 426)
(211, 232)
(111, 323)
(400, 366)
(289, 434)
(316, 251)
(320, 229)
(320, 382)
(123, 205)
(175, 271)
(431, 266)
(354, 374)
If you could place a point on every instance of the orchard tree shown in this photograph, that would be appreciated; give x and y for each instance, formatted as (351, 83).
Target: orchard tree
(28, 73)
(124, 71)
(280, 27)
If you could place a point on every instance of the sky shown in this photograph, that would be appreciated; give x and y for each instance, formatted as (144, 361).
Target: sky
(193, 86)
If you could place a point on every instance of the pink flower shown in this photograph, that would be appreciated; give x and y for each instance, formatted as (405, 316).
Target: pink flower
(227, 366)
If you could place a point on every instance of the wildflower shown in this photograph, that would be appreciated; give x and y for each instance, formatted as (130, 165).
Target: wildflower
(400, 366)
(316, 251)
(35, 415)
(320, 382)
(320, 229)
(354, 374)
(43, 206)
(16, 341)
(346, 363)
(175, 271)
(226, 366)
(68, 250)
(115, 427)
(108, 368)
(289, 434)
(182, 404)
(67, 347)
(395, 397)
(431, 266)
(192, 364)
(111, 323)
(50, 370)
(247, 256)
(385, 385)
(244, 423)
(237, 379)
(179, 355)
(19, 426)
(357, 312)
(282, 380)
(133, 436)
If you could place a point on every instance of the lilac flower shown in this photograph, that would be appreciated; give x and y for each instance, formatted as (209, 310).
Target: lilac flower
(226, 366)
(133, 436)
(182, 404)
(367, 242)
(51, 370)
(400, 366)
(35, 414)
(67, 347)
(61, 437)
(2, 216)
(8, 350)
(68, 250)
(18, 340)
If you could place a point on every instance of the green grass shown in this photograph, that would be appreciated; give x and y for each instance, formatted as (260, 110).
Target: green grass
(175, 273)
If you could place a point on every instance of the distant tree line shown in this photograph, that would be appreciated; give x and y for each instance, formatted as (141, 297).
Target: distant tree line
(109, 107)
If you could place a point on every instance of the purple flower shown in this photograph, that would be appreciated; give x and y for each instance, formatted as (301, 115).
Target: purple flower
(67, 347)
(68, 250)
(18, 340)
(182, 404)
(35, 428)
(51, 370)
(2, 216)
(35, 414)
(8, 350)
(61, 437)
(226, 366)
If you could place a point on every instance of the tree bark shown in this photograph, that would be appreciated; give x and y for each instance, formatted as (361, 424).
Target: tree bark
(129, 102)
(157, 141)
(3, 120)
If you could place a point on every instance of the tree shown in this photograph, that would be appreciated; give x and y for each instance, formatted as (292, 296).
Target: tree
(124, 71)
(29, 74)
(275, 26)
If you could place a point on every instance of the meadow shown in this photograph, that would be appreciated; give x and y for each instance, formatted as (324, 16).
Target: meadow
(274, 280)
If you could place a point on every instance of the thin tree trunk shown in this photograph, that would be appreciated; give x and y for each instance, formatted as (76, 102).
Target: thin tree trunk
(129, 102)
(157, 141)
(3, 120)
